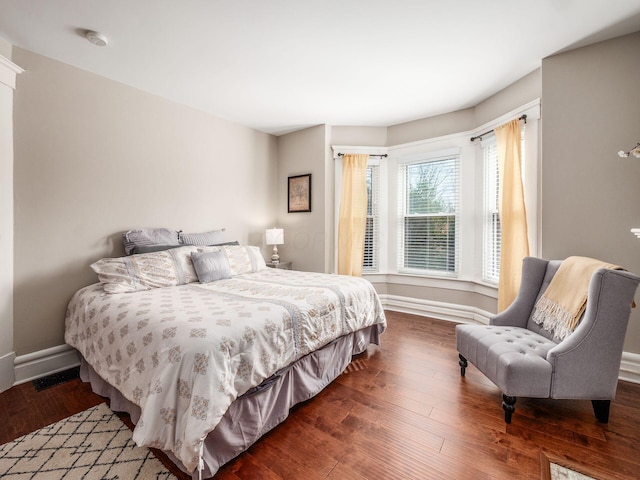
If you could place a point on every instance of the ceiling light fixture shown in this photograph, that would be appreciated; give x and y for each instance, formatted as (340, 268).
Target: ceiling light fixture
(96, 38)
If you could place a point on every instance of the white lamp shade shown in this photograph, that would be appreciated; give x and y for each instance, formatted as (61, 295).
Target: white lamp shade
(275, 236)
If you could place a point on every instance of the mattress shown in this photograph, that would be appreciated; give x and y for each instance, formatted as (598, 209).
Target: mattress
(184, 354)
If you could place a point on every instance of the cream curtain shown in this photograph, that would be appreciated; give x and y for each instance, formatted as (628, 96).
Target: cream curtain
(353, 214)
(513, 215)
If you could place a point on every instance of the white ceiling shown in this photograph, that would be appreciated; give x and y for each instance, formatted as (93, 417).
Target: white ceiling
(282, 65)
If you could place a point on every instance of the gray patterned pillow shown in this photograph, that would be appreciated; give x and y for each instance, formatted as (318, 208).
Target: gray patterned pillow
(146, 271)
(211, 266)
(148, 236)
(202, 239)
(138, 249)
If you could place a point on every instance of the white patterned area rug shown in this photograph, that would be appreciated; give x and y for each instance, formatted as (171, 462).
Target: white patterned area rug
(558, 472)
(91, 445)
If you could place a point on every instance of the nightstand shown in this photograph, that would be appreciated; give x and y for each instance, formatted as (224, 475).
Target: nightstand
(282, 265)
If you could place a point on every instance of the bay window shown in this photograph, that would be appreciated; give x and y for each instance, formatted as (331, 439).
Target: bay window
(432, 213)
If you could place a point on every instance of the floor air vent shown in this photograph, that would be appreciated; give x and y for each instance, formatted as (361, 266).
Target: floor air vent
(56, 378)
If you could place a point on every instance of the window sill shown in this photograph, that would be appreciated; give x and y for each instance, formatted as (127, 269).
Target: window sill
(460, 284)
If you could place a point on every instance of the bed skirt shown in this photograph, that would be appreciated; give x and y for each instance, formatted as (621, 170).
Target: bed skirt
(263, 407)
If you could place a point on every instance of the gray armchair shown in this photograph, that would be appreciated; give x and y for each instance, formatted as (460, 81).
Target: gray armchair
(525, 360)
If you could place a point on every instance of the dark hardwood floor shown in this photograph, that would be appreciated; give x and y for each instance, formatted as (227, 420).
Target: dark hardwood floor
(401, 411)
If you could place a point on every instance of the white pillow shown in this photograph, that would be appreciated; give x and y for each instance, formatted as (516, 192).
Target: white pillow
(244, 259)
(146, 271)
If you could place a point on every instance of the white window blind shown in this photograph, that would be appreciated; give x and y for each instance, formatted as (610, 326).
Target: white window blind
(372, 233)
(430, 197)
(491, 224)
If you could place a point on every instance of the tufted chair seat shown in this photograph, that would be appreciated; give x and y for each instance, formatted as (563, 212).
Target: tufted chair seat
(525, 360)
(512, 357)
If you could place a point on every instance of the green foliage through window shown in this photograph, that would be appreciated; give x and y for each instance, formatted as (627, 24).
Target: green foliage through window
(430, 215)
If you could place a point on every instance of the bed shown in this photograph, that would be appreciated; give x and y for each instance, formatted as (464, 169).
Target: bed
(206, 369)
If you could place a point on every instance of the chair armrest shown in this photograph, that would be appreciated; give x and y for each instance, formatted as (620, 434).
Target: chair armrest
(586, 364)
(518, 313)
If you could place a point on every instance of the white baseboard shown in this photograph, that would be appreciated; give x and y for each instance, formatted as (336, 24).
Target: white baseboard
(45, 362)
(438, 310)
(629, 367)
(6, 371)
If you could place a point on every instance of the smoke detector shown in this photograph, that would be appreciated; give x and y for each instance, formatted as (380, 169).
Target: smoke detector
(96, 38)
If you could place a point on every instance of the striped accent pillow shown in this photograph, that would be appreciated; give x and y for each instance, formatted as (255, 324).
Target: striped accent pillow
(202, 239)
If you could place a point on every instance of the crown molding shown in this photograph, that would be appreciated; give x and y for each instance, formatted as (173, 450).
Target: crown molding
(8, 72)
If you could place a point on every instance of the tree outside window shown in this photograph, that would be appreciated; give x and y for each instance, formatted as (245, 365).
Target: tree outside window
(430, 215)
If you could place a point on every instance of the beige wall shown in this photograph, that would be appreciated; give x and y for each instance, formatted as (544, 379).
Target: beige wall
(519, 93)
(431, 127)
(359, 136)
(5, 49)
(305, 233)
(590, 196)
(94, 158)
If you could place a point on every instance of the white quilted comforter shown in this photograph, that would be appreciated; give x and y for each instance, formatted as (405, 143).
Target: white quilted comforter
(183, 354)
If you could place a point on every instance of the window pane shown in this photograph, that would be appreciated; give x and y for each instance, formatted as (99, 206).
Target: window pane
(368, 245)
(428, 239)
(432, 187)
(371, 240)
(492, 232)
(369, 190)
(430, 243)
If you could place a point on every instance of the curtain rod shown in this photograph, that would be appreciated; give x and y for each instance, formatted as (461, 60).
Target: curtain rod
(523, 117)
(371, 155)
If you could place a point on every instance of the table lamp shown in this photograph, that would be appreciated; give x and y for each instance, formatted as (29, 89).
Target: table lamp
(275, 237)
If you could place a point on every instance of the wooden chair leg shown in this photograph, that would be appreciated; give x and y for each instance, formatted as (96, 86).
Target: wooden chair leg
(463, 364)
(601, 410)
(509, 406)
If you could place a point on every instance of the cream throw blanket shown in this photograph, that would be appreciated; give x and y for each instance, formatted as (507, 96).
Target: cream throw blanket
(562, 304)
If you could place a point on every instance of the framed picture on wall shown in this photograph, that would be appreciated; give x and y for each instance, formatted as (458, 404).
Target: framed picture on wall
(299, 193)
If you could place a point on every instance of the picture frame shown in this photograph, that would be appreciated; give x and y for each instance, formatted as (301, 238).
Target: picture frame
(299, 193)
